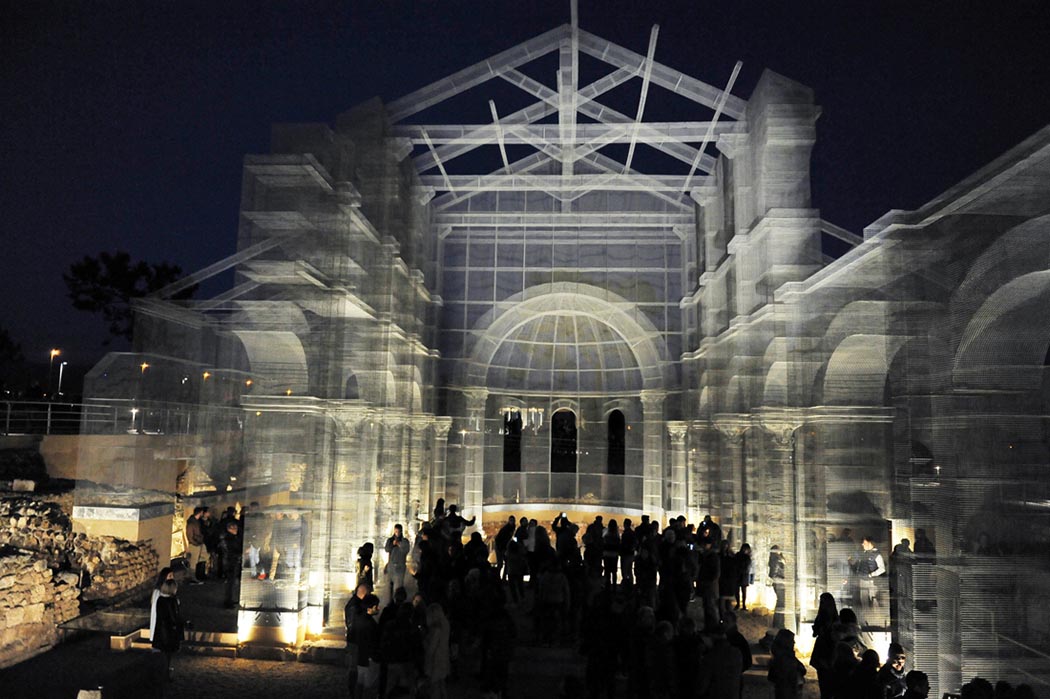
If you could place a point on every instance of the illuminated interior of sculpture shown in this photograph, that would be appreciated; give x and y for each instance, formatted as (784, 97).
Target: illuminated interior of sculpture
(570, 307)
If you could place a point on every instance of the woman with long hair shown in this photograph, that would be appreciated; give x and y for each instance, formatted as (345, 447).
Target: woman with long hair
(165, 574)
(823, 657)
(365, 575)
(168, 628)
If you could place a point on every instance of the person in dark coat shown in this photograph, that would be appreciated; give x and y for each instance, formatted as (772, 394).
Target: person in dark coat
(628, 550)
(737, 640)
(397, 548)
(918, 685)
(710, 571)
(231, 552)
(400, 647)
(167, 631)
(721, 669)
(864, 679)
(611, 552)
(728, 577)
(475, 552)
(365, 573)
(892, 677)
(785, 671)
(366, 638)
(352, 613)
(516, 569)
(842, 666)
(503, 537)
(457, 524)
(743, 572)
(823, 655)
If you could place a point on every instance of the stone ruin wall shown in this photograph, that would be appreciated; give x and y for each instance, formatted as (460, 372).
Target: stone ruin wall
(43, 566)
(116, 568)
(34, 600)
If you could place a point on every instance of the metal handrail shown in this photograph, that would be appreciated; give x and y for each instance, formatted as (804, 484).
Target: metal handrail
(102, 416)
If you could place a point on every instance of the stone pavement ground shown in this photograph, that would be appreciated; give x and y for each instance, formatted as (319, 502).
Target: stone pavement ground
(536, 672)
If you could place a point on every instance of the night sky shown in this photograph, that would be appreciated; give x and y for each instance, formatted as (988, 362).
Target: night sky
(124, 124)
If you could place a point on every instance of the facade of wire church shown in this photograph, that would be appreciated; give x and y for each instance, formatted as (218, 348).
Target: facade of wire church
(572, 327)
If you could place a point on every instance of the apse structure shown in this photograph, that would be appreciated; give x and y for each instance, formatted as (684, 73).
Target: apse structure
(568, 307)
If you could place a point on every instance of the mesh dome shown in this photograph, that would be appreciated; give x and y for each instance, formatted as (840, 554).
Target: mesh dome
(564, 353)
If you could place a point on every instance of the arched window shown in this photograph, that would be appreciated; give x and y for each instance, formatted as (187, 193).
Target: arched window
(617, 448)
(512, 441)
(563, 442)
(351, 392)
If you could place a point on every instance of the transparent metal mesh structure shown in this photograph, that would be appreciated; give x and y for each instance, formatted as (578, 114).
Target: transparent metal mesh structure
(405, 323)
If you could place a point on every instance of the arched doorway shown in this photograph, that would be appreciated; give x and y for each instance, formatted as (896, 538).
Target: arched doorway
(563, 442)
(617, 444)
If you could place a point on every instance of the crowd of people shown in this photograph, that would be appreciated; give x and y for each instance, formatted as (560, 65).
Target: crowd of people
(628, 581)
(579, 585)
(216, 549)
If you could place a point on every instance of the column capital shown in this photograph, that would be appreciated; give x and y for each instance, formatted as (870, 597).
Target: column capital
(732, 426)
(652, 399)
(475, 396)
(442, 424)
(678, 430)
(780, 424)
(420, 422)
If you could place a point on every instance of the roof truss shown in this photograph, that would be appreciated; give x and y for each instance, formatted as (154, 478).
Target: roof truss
(570, 157)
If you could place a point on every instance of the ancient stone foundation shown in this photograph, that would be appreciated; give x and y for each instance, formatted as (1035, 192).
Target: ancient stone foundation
(115, 567)
(46, 571)
(33, 601)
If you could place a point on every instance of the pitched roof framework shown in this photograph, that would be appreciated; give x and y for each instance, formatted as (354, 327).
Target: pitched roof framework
(568, 159)
(591, 165)
(594, 171)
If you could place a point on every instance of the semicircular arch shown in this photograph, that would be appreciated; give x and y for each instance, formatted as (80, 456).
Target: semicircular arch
(858, 369)
(1005, 342)
(618, 319)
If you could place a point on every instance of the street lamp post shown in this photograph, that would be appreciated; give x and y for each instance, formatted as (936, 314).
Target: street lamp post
(50, 368)
(61, 367)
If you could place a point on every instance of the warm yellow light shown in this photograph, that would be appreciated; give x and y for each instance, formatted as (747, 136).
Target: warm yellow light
(289, 629)
(207, 375)
(248, 382)
(245, 624)
(55, 353)
(314, 620)
(144, 366)
(288, 392)
(258, 413)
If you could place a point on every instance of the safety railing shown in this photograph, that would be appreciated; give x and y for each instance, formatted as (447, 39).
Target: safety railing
(105, 416)
(38, 417)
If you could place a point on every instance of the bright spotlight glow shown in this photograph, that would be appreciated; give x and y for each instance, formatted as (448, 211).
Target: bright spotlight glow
(314, 620)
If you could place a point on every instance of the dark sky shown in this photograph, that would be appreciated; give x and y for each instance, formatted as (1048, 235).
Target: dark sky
(124, 123)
